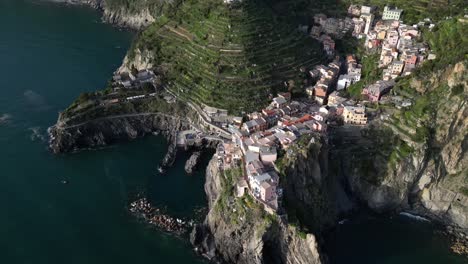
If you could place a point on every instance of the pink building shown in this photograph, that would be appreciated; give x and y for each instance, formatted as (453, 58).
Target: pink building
(268, 155)
(376, 90)
(267, 191)
(392, 38)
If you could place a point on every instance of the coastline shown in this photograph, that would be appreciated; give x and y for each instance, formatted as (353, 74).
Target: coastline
(130, 131)
(119, 18)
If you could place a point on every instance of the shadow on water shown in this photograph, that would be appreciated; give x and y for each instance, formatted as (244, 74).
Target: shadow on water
(370, 239)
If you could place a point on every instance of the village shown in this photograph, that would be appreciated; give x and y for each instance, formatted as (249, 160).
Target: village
(253, 141)
(397, 43)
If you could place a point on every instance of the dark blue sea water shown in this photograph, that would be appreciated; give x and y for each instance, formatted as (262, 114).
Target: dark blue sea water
(49, 54)
(370, 239)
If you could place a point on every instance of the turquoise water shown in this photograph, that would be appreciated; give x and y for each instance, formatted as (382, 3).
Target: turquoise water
(49, 54)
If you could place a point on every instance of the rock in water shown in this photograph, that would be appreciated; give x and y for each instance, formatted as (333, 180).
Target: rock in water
(170, 157)
(192, 162)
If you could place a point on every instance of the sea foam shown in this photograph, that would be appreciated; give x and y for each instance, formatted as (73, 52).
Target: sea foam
(415, 217)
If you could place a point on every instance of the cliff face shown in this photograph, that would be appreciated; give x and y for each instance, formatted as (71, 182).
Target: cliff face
(105, 131)
(140, 60)
(311, 195)
(237, 230)
(120, 16)
(426, 175)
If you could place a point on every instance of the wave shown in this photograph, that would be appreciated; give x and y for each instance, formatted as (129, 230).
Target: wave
(415, 217)
(36, 134)
(36, 100)
(5, 118)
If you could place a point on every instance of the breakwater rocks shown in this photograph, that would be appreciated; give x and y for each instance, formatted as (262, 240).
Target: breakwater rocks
(459, 240)
(142, 208)
(460, 246)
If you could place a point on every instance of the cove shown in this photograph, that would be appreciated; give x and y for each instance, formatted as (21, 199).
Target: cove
(49, 54)
(367, 238)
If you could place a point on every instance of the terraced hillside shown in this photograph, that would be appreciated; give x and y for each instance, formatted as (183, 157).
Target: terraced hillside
(228, 56)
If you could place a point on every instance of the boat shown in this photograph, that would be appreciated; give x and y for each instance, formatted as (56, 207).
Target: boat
(161, 170)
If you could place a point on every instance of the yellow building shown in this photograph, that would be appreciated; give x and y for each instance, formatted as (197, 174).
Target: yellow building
(381, 35)
(355, 115)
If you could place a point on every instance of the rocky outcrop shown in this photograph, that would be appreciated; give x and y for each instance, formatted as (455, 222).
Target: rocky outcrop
(105, 131)
(170, 156)
(237, 230)
(139, 60)
(309, 193)
(192, 162)
(430, 179)
(121, 17)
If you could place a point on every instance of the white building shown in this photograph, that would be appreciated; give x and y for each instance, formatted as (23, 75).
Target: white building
(366, 9)
(344, 81)
(391, 14)
(368, 18)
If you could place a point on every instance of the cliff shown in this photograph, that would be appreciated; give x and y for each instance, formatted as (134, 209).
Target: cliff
(312, 197)
(104, 131)
(119, 15)
(238, 230)
(417, 160)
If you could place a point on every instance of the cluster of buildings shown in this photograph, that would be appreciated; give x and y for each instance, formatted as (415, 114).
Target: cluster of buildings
(127, 80)
(325, 90)
(255, 143)
(258, 137)
(327, 77)
(400, 52)
(397, 43)
(353, 73)
(331, 26)
(348, 110)
(328, 44)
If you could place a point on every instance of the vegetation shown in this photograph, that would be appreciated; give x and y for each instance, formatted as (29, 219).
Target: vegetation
(89, 106)
(449, 41)
(228, 57)
(370, 74)
(464, 190)
(244, 209)
(134, 6)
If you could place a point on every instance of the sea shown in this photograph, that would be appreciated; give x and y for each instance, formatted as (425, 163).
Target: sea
(73, 208)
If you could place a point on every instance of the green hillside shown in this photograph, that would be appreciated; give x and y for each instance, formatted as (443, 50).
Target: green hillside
(225, 56)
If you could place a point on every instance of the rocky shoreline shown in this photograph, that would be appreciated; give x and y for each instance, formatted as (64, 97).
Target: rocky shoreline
(120, 18)
(218, 239)
(226, 238)
(106, 131)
